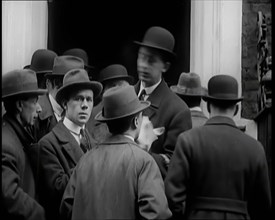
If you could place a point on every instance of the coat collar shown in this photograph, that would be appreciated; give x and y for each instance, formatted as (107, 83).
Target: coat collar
(221, 120)
(46, 106)
(118, 139)
(67, 141)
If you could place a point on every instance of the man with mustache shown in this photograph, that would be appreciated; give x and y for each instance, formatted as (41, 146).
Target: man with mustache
(61, 149)
(167, 110)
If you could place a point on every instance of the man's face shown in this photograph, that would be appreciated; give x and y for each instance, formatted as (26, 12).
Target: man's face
(150, 66)
(80, 106)
(29, 110)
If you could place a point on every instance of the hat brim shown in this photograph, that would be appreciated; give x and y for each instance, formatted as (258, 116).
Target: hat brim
(63, 92)
(183, 92)
(143, 105)
(209, 98)
(29, 93)
(171, 53)
(129, 79)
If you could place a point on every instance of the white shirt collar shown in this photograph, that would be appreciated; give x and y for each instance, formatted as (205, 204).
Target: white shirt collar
(150, 89)
(130, 137)
(196, 108)
(56, 107)
(74, 128)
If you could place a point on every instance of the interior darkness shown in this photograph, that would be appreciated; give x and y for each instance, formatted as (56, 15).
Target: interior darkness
(106, 30)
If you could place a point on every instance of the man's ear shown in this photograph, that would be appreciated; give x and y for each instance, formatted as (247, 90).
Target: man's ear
(166, 66)
(236, 109)
(18, 105)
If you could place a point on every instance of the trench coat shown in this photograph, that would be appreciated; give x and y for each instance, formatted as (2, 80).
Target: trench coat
(116, 180)
(59, 153)
(166, 110)
(18, 183)
(218, 172)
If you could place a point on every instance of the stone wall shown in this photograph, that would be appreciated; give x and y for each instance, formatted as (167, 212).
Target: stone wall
(250, 83)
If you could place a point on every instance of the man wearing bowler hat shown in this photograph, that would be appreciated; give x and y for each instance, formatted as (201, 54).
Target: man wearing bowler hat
(217, 171)
(61, 149)
(167, 110)
(51, 110)
(117, 179)
(190, 90)
(42, 63)
(19, 95)
(111, 76)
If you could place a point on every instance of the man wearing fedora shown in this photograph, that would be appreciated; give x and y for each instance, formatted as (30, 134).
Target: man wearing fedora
(117, 179)
(190, 90)
(217, 171)
(61, 149)
(167, 110)
(42, 63)
(19, 95)
(111, 76)
(51, 110)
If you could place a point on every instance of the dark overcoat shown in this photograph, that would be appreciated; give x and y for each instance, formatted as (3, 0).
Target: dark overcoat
(59, 153)
(18, 183)
(46, 118)
(218, 172)
(169, 111)
(116, 180)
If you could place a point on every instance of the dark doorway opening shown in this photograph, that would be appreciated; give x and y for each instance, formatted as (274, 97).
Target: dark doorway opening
(106, 30)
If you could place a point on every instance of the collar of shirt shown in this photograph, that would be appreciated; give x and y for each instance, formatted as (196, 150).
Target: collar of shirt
(73, 128)
(148, 90)
(130, 137)
(196, 108)
(57, 109)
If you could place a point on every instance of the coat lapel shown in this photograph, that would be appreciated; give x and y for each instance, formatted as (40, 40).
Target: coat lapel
(68, 143)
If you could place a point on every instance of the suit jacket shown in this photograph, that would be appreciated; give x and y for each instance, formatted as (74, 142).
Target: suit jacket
(219, 171)
(169, 111)
(46, 119)
(18, 184)
(116, 180)
(198, 118)
(59, 153)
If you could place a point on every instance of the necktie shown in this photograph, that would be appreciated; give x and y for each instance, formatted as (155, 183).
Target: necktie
(142, 95)
(84, 143)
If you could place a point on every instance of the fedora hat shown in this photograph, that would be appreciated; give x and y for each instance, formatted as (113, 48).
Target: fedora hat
(62, 64)
(77, 79)
(42, 61)
(158, 38)
(20, 82)
(222, 88)
(78, 52)
(120, 102)
(114, 71)
(189, 84)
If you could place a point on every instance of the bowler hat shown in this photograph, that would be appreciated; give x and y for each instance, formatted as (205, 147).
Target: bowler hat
(62, 64)
(20, 82)
(120, 102)
(222, 88)
(189, 84)
(42, 61)
(158, 38)
(78, 52)
(77, 79)
(114, 71)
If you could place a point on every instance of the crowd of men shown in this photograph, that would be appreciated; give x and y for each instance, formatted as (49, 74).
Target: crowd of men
(72, 145)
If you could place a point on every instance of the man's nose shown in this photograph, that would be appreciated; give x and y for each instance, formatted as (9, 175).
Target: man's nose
(38, 108)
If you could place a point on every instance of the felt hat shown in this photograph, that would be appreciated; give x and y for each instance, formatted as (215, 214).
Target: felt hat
(20, 82)
(120, 102)
(189, 84)
(78, 52)
(160, 39)
(62, 64)
(222, 88)
(114, 71)
(77, 79)
(42, 61)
